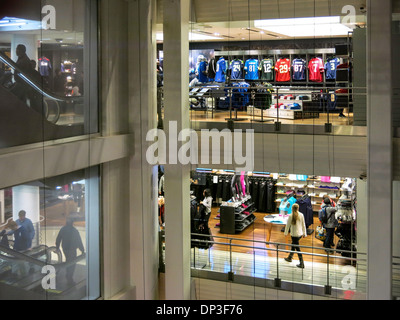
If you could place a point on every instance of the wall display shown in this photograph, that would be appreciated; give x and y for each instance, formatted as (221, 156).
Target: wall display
(316, 69)
(251, 69)
(220, 75)
(267, 69)
(299, 69)
(331, 67)
(236, 69)
(282, 70)
(44, 66)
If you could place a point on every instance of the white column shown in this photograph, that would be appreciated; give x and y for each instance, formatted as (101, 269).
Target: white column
(26, 198)
(379, 172)
(30, 41)
(143, 176)
(177, 188)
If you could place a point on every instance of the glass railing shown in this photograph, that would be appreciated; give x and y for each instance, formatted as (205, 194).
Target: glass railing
(274, 106)
(26, 100)
(337, 274)
(40, 273)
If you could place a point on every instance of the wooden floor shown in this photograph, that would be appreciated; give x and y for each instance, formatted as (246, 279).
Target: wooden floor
(258, 231)
(220, 116)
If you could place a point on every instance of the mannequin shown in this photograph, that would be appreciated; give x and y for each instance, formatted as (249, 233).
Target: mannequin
(238, 186)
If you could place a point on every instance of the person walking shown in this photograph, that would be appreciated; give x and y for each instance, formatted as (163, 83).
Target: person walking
(70, 241)
(297, 228)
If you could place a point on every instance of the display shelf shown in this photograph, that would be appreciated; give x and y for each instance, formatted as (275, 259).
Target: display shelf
(233, 221)
(286, 183)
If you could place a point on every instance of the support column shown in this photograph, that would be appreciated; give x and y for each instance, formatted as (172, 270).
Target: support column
(143, 175)
(177, 187)
(379, 174)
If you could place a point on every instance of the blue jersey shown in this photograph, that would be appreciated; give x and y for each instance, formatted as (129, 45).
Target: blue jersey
(251, 69)
(236, 68)
(221, 70)
(330, 68)
(299, 69)
(332, 101)
(202, 72)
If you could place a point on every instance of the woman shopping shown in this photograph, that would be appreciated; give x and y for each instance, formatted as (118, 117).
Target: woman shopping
(297, 228)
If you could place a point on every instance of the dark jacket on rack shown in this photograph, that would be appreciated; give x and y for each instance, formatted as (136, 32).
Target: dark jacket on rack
(305, 207)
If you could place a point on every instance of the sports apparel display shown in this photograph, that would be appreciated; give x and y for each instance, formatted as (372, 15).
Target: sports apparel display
(282, 70)
(202, 71)
(251, 69)
(211, 70)
(44, 66)
(299, 69)
(316, 68)
(221, 70)
(330, 68)
(267, 69)
(236, 68)
(331, 102)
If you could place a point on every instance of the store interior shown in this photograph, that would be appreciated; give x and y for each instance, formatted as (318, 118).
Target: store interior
(294, 66)
(255, 206)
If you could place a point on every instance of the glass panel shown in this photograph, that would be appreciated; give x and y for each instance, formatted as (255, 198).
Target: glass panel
(48, 60)
(47, 231)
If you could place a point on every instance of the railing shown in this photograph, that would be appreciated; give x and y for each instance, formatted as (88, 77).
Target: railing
(262, 264)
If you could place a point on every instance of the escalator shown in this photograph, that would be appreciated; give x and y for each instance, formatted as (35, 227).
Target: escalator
(36, 116)
(25, 275)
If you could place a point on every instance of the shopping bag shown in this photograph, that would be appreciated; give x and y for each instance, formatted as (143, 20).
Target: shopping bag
(320, 233)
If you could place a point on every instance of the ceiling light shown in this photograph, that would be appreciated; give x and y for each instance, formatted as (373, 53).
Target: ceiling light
(192, 37)
(305, 27)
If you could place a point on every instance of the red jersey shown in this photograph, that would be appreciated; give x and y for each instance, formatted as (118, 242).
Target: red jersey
(316, 68)
(282, 68)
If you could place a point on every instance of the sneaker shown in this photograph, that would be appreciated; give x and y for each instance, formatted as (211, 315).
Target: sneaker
(300, 265)
(288, 259)
(341, 115)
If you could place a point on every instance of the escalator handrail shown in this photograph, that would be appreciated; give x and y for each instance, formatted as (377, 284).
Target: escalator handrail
(22, 256)
(6, 60)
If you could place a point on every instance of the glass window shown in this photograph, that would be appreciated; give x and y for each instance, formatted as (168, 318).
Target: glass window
(50, 237)
(48, 59)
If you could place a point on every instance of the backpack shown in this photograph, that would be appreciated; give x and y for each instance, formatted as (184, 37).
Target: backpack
(323, 216)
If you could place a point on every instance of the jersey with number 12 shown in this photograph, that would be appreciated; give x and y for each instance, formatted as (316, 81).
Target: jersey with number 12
(282, 69)
(267, 67)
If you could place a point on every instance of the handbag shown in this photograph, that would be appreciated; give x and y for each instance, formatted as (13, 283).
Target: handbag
(320, 233)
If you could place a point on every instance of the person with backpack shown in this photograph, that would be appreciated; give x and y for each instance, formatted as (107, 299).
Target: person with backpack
(327, 217)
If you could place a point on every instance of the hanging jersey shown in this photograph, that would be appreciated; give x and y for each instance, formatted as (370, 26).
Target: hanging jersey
(315, 68)
(331, 102)
(282, 70)
(267, 69)
(221, 70)
(211, 69)
(202, 72)
(330, 68)
(251, 69)
(44, 67)
(236, 68)
(299, 69)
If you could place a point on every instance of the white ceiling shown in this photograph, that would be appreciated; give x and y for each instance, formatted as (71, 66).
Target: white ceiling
(233, 20)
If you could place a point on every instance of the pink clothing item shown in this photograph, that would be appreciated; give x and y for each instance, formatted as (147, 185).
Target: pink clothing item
(325, 179)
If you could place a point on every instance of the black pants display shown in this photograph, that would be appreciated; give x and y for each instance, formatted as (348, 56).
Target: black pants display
(329, 237)
(296, 241)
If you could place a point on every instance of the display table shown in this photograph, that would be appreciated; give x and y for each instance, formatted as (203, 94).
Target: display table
(276, 220)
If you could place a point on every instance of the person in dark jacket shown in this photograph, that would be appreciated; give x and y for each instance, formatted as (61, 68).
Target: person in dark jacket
(22, 240)
(21, 89)
(70, 241)
(331, 222)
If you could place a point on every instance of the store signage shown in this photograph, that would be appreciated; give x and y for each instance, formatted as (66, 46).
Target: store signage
(49, 20)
